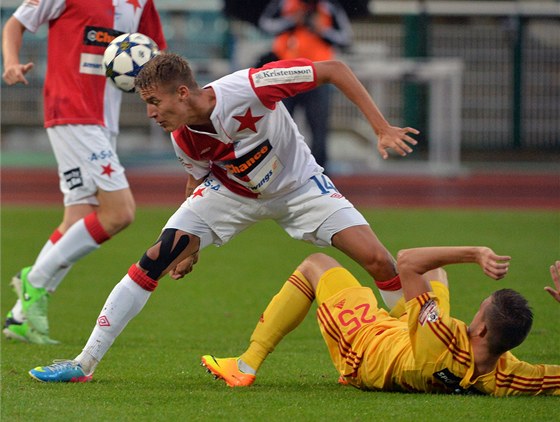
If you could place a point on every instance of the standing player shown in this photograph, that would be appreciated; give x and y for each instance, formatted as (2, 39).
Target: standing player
(247, 162)
(81, 113)
(419, 347)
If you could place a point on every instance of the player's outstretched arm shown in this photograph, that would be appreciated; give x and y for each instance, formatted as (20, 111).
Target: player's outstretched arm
(12, 39)
(388, 137)
(413, 263)
(555, 274)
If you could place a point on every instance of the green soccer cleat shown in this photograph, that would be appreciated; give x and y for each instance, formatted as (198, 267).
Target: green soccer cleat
(34, 300)
(21, 331)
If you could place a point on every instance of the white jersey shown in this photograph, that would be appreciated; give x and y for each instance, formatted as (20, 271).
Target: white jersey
(257, 150)
(76, 90)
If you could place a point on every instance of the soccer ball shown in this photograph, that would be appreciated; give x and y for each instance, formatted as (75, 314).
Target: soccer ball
(125, 56)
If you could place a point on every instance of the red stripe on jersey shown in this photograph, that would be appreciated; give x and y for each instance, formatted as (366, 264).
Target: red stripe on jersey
(302, 286)
(446, 335)
(527, 384)
(269, 95)
(331, 328)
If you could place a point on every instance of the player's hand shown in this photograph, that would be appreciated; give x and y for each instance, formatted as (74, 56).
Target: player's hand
(395, 138)
(16, 73)
(555, 274)
(184, 267)
(494, 266)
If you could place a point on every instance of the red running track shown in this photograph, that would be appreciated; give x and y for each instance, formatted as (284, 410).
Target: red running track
(479, 190)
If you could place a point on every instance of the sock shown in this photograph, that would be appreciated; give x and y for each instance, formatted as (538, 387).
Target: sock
(81, 239)
(390, 290)
(285, 312)
(125, 302)
(17, 310)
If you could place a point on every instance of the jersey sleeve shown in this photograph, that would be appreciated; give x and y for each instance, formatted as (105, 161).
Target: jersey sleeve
(515, 377)
(32, 14)
(282, 79)
(150, 25)
(432, 331)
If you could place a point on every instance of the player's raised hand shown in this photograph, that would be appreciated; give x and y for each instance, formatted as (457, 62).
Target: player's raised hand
(397, 139)
(494, 266)
(555, 274)
(14, 74)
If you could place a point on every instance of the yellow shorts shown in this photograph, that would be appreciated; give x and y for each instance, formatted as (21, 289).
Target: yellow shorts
(346, 313)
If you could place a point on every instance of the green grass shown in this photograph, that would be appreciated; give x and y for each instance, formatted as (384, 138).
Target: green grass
(152, 372)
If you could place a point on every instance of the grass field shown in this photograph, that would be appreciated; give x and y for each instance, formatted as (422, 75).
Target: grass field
(152, 372)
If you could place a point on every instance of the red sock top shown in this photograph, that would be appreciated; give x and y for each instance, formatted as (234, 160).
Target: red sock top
(142, 279)
(95, 228)
(390, 285)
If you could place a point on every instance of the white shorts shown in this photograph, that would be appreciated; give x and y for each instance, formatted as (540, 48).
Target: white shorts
(313, 212)
(87, 161)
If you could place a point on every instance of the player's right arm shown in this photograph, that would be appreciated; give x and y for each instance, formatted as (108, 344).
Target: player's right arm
(413, 263)
(343, 78)
(12, 40)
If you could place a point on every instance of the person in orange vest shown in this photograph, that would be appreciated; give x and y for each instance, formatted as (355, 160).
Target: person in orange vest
(311, 29)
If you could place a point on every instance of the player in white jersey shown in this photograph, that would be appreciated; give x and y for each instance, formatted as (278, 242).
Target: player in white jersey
(81, 114)
(247, 162)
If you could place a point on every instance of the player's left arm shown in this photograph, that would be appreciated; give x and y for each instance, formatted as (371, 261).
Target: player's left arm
(388, 137)
(413, 263)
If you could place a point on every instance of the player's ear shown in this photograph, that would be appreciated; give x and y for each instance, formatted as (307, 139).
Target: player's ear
(183, 91)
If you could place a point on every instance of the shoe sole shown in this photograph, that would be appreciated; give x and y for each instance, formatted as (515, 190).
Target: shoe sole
(85, 378)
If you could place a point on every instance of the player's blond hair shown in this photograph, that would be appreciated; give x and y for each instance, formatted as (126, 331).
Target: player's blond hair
(166, 70)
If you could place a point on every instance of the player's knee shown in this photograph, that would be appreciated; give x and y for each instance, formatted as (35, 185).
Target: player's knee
(164, 252)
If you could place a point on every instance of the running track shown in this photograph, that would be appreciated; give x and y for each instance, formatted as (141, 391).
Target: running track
(475, 190)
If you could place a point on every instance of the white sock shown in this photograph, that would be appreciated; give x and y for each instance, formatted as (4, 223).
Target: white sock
(391, 297)
(75, 244)
(125, 301)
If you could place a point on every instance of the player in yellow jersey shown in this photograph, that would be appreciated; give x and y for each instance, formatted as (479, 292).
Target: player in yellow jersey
(418, 346)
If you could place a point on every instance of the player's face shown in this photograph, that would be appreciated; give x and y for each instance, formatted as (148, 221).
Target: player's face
(166, 107)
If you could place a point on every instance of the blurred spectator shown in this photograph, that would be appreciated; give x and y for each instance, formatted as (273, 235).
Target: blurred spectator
(311, 29)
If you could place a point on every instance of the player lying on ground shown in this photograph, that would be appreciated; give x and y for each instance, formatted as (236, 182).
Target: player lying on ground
(247, 162)
(418, 346)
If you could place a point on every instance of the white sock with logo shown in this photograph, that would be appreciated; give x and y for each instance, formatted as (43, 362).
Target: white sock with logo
(125, 302)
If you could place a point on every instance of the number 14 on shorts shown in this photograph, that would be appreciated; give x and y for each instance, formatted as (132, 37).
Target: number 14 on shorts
(324, 184)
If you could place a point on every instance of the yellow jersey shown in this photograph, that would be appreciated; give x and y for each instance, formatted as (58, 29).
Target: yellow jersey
(424, 350)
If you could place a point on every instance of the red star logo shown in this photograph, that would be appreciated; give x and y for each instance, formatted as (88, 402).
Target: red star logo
(134, 4)
(247, 121)
(107, 170)
(198, 192)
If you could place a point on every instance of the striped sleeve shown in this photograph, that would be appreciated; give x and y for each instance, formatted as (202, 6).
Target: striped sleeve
(515, 377)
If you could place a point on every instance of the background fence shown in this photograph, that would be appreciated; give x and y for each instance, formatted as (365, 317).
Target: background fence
(510, 53)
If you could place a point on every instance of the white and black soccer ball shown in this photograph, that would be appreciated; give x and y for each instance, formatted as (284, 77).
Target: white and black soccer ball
(125, 56)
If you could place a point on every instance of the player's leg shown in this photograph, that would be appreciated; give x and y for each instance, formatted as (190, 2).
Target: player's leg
(284, 313)
(362, 245)
(182, 237)
(318, 213)
(91, 179)
(124, 302)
